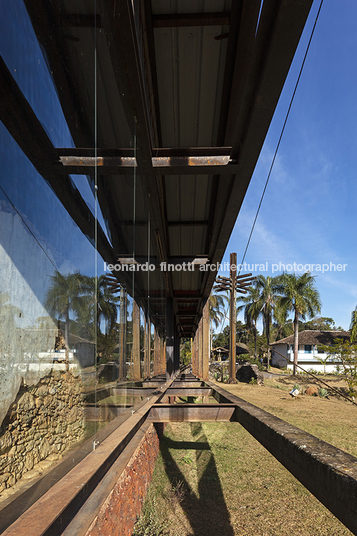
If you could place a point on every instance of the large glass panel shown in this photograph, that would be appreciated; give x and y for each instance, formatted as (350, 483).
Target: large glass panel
(82, 298)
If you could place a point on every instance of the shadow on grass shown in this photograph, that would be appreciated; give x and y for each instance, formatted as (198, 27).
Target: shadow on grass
(207, 513)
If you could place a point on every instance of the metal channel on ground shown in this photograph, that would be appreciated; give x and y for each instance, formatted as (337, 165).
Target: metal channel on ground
(58, 506)
(327, 472)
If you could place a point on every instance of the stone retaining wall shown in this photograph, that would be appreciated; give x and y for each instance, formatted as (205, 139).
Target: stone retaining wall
(43, 421)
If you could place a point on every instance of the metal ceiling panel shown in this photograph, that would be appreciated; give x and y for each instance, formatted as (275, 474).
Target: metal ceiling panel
(170, 74)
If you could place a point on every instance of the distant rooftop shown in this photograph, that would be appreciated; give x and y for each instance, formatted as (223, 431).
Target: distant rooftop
(314, 336)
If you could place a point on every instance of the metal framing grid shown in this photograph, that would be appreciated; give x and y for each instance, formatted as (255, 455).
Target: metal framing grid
(329, 473)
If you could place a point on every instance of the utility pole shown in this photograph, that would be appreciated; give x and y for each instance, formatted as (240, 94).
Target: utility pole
(233, 318)
(235, 284)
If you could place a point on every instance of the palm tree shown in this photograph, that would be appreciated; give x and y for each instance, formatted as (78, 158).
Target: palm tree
(267, 288)
(252, 311)
(300, 296)
(353, 325)
(282, 325)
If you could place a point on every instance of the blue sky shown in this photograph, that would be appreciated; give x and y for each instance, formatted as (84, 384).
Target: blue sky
(309, 210)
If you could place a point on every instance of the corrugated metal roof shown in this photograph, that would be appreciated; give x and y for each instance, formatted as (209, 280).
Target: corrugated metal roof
(174, 75)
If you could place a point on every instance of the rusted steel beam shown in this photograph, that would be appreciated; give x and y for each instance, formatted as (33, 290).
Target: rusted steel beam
(192, 412)
(174, 165)
(179, 20)
(191, 161)
(190, 391)
(133, 391)
(153, 383)
(98, 161)
(188, 383)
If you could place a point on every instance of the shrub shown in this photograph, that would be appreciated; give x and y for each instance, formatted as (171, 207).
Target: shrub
(323, 393)
(313, 371)
(147, 524)
(254, 361)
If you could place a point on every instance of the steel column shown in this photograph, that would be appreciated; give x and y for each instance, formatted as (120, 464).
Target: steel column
(170, 338)
(157, 342)
(135, 352)
(205, 341)
(122, 335)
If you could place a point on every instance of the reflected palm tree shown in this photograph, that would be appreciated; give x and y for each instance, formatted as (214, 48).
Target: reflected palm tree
(67, 293)
(92, 302)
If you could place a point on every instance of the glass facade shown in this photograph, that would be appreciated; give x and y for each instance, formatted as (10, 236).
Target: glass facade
(76, 339)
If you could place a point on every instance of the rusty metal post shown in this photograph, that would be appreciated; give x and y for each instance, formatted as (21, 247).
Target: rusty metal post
(205, 341)
(156, 352)
(194, 354)
(135, 352)
(198, 346)
(232, 318)
(163, 355)
(147, 348)
(170, 336)
(122, 335)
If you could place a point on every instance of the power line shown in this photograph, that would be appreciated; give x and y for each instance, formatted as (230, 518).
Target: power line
(282, 132)
(278, 144)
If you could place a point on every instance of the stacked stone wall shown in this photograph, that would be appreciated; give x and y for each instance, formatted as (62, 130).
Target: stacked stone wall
(43, 421)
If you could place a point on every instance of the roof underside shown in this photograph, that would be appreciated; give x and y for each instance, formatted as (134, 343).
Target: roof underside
(177, 110)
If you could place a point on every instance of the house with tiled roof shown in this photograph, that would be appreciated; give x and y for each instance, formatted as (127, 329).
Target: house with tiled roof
(310, 354)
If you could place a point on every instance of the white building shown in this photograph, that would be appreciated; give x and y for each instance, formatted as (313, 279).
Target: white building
(310, 354)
